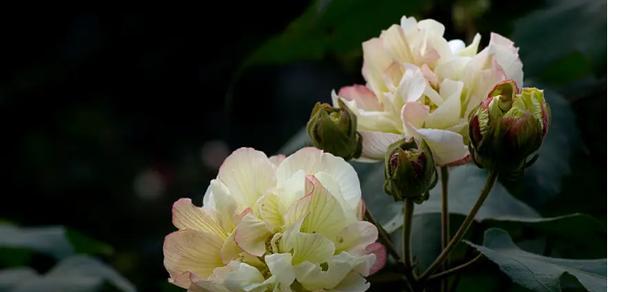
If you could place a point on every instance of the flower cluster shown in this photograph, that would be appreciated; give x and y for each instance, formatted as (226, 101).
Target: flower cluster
(275, 224)
(419, 85)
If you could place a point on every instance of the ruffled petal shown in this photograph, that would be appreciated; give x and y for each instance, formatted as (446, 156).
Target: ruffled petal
(188, 216)
(364, 98)
(248, 174)
(252, 234)
(375, 144)
(190, 254)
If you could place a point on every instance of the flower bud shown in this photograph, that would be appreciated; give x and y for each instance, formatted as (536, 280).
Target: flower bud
(334, 130)
(410, 171)
(508, 127)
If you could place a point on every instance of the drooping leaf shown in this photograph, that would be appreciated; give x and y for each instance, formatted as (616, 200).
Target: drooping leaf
(56, 241)
(75, 274)
(537, 272)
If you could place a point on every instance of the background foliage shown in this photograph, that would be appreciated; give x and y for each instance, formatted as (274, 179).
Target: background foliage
(109, 118)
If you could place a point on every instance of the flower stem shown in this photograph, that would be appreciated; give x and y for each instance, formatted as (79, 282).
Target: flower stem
(491, 179)
(444, 219)
(385, 239)
(406, 235)
(455, 269)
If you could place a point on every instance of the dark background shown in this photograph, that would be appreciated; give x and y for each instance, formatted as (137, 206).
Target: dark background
(107, 119)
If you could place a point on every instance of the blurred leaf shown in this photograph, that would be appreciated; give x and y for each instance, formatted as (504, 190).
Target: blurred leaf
(537, 272)
(77, 273)
(561, 29)
(543, 180)
(336, 27)
(47, 240)
(11, 278)
(87, 245)
(56, 241)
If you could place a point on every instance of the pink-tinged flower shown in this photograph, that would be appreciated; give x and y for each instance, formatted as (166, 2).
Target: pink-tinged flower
(275, 224)
(420, 85)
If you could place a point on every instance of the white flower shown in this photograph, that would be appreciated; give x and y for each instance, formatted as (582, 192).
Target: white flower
(275, 224)
(421, 85)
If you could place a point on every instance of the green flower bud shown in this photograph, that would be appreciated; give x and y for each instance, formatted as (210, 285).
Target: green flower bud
(334, 130)
(508, 127)
(410, 171)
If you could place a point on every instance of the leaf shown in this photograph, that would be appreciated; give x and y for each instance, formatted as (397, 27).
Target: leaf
(76, 273)
(47, 240)
(561, 29)
(465, 183)
(537, 272)
(56, 241)
(336, 27)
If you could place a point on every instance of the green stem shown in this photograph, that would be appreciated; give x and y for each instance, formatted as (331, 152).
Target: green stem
(444, 219)
(453, 270)
(406, 235)
(491, 179)
(384, 237)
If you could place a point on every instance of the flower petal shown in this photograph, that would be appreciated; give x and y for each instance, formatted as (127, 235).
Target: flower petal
(188, 216)
(506, 55)
(364, 98)
(252, 234)
(375, 62)
(356, 237)
(189, 254)
(395, 44)
(269, 208)
(276, 159)
(281, 267)
(325, 216)
(380, 252)
(238, 276)
(313, 248)
(446, 146)
(353, 282)
(248, 174)
(312, 161)
(219, 202)
(375, 144)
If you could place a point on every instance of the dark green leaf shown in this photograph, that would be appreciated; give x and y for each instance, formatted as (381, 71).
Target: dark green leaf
(537, 272)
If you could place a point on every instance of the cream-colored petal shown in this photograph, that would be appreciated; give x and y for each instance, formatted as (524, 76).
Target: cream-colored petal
(472, 49)
(248, 174)
(353, 282)
(446, 146)
(375, 144)
(395, 44)
(375, 62)
(238, 276)
(448, 113)
(325, 215)
(252, 235)
(413, 116)
(190, 254)
(313, 277)
(270, 210)
(412, 85)
(312, 161)
(277, 159)
(456, 45)
(356, 237)
(281, 267)
(506, 55)
(313, 248)
(188, 216)
(221, 204)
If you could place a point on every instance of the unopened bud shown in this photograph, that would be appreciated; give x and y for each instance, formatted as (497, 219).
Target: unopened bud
(334, 130)
(410, 171)
(508, 127)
